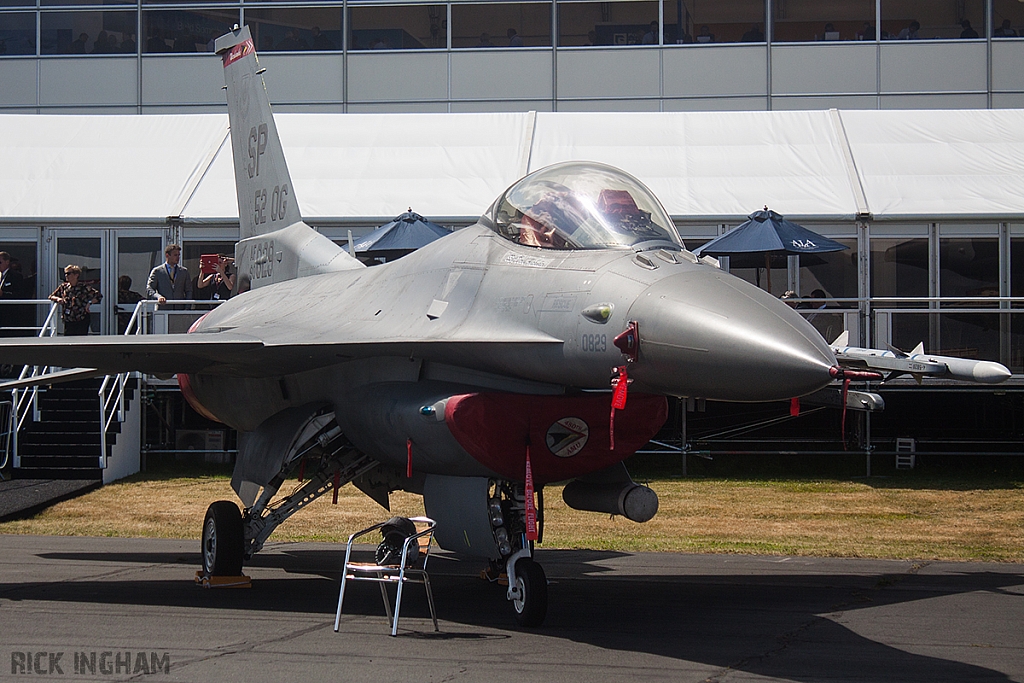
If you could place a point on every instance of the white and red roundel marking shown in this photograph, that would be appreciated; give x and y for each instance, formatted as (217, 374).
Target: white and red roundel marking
(567, 437)
(237, 52)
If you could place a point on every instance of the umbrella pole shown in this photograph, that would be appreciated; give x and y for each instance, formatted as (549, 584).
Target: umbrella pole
(768, 270)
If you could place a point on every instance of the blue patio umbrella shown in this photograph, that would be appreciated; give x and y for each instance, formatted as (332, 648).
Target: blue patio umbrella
(764, 237)
(408, 232)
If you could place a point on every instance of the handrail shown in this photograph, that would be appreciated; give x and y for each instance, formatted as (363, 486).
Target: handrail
(5, 410)
(24, 399)
(116, 399)
(111, 394)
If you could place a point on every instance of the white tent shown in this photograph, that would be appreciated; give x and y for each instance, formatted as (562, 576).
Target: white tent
(367, 168)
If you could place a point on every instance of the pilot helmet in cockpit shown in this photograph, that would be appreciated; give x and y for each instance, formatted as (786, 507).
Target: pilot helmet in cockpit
(581, 205)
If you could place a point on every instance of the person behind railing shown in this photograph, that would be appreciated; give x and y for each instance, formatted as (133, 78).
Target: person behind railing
(219, 285)
(169, 280)
(125, 295)
(75, 298)
(10, 288)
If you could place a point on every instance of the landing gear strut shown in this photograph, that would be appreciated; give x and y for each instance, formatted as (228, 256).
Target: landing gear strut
(229, 538)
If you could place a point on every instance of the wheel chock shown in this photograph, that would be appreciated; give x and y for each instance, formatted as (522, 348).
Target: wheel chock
(500, 578)
(206, 581)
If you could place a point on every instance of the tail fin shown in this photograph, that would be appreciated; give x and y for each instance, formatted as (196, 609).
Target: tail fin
(275, 245)
(266, 197)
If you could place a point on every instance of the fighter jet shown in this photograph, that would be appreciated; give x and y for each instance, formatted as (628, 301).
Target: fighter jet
(536, 346)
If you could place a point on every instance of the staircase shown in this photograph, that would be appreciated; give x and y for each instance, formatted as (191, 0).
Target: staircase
(64, 443)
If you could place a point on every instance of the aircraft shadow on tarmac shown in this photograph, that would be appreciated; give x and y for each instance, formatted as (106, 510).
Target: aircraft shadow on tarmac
(717, 620)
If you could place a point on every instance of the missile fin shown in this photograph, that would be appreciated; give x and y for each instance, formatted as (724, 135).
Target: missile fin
(919, 349)
(899, 353)
(843, 339)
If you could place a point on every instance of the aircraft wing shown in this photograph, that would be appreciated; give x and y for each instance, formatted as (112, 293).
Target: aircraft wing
(230, 353)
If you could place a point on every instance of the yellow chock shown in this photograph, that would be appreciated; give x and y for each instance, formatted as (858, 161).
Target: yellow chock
(205, 581)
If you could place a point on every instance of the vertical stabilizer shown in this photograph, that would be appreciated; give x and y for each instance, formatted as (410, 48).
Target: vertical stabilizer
(274, 244)
(266, 197)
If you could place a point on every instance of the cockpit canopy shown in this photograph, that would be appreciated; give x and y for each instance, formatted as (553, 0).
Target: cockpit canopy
(581, 205)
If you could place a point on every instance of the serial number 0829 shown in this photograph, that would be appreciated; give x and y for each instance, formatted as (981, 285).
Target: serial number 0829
(594, 343)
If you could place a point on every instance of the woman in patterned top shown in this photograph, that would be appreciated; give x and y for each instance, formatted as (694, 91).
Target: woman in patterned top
(74, 299)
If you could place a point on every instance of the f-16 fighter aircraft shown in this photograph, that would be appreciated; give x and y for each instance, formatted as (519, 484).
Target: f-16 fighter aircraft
(473, 371)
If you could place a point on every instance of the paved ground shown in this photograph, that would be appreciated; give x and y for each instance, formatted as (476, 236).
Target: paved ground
(612, 617)
(24, 497)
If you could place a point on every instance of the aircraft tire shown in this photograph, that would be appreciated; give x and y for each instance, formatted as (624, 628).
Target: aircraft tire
(223, 540)
(532, 607)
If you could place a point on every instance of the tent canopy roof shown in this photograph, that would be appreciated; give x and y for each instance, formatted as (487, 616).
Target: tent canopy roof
(366, 168)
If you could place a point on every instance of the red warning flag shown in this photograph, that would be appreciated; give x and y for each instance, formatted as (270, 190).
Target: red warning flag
(531, 506)
(619, 395)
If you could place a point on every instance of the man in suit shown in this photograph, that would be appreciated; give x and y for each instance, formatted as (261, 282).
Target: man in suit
(10, 288)
(169, 281)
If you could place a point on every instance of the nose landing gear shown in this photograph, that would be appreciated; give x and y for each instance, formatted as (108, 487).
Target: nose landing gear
(527, 589)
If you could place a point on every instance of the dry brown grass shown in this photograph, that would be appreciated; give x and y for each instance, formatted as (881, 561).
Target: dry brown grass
(827, 518)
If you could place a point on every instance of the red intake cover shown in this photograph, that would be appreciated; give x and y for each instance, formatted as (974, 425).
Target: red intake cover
(568, 435)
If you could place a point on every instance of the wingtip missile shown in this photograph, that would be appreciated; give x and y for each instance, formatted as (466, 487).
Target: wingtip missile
(918, 364)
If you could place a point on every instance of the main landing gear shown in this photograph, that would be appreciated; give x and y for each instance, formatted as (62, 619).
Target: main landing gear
(230, 538)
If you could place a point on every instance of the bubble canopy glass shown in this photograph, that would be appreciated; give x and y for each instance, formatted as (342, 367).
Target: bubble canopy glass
(581, 205)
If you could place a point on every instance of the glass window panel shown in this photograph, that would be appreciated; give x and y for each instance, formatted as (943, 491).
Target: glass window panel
(1017, 267)
(607, 23)
(808, 20)
(23, 261)
(87, 33)
(899, 267)
(18, 34)
(292, 29)
(1007, 19)
(398, 28)
(183, 30)
(1016, 350)
(45, 3)
(726, 21)
(15, 3)
(924, 19)
(969, 267)
(834, 273)
(506, 25)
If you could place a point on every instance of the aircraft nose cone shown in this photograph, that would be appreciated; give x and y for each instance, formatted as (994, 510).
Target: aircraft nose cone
(709, 334)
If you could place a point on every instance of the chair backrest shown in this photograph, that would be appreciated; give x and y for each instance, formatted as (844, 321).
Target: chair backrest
(422, 539)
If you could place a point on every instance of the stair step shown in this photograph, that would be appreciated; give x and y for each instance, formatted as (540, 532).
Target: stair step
(91, 473)
(83, 460)
(65, 443)
(58, 438)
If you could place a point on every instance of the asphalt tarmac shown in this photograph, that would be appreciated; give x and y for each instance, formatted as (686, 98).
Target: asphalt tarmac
(131, 606)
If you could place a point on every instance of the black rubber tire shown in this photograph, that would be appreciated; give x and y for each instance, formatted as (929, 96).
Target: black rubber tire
(531, 609)
(223, 543)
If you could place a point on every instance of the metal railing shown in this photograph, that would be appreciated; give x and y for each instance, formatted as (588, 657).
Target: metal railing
(147, 318)
(25, 400)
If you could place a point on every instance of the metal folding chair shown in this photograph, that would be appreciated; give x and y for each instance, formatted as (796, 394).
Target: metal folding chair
(411, 570)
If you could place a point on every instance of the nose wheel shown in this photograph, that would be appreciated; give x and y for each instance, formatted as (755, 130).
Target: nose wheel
(223, 540)
(528, 592)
